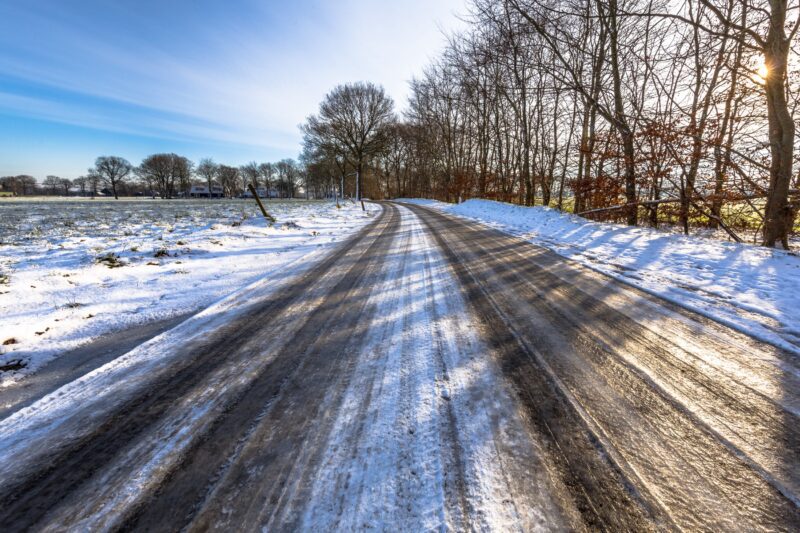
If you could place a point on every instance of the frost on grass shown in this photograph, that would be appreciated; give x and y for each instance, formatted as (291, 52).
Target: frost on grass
(71, 271)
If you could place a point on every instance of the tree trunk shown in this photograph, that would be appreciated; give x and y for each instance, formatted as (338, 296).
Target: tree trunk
(779, 213)
(621, 122)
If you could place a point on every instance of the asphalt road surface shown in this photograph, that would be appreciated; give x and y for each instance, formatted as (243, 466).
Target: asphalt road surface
(430, 373)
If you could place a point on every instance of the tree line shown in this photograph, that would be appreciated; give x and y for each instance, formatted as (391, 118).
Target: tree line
(641, 111)
(167, 175)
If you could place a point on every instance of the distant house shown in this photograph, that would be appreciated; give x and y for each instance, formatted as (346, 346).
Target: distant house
(262, 193)
(77, 191)
(201, 191)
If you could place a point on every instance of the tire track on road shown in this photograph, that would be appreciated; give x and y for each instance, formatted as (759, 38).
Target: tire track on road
(638, 426)
(29, 498)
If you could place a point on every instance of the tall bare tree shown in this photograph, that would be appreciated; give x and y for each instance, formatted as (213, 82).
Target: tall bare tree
(355, 117)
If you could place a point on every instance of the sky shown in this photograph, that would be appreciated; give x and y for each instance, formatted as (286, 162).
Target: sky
(228, 79)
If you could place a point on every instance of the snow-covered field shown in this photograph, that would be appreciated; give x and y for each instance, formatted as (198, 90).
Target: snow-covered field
(752, 289)
(72, 270)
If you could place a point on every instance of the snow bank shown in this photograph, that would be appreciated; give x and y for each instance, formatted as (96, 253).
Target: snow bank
(752, 289)
(71, 271)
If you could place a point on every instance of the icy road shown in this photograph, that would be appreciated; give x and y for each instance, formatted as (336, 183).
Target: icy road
(429, 373)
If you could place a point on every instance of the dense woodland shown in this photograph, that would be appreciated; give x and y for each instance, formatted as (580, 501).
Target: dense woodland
(641, 111)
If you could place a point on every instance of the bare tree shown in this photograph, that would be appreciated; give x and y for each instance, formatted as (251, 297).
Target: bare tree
(229, 180)
(19, 185)
(112, 171)
(65, 185)
(165, 171)
(208, 170)
(158, 169)
(183, 170)
(82, 182)
(356, 117)
(619, 108)
(267, 172)
(52, 184)
(250, 173)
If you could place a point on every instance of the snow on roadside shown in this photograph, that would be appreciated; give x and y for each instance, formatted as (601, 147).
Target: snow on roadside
(71, 271)
(751, 289)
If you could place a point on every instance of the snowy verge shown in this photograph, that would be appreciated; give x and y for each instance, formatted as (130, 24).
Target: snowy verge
(72, 411)
(75, 270)
(751, 289)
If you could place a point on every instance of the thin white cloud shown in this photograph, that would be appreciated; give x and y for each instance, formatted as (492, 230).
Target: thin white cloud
(231, 82)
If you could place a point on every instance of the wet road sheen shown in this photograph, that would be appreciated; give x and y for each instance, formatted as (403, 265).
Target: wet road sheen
(429, 373)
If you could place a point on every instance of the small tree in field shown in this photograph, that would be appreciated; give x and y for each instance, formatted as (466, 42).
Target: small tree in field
(250, 173)
(52, 184)
(267, 170)
(207, 170)
(229, 177)
(82, 182)
(65, 185)
(112, 171)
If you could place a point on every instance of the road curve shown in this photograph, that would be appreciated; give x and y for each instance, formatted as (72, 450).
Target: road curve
(429, 373)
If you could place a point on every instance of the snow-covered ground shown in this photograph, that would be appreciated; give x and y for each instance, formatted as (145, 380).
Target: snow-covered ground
(750, 288)
(427, 435)
(72, 270)
(417, 407)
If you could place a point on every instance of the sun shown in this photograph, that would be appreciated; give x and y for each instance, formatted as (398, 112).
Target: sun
(763, 71)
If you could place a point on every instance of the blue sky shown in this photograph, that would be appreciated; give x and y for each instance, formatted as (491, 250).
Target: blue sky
(224, 79)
